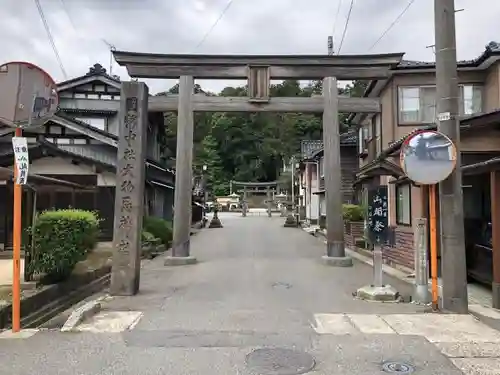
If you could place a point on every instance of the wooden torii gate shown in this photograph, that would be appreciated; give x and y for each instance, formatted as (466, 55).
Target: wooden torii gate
(256, 186)
(258, 70)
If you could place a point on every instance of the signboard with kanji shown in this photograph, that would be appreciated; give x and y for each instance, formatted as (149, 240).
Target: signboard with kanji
(20, 147)
(378, 214)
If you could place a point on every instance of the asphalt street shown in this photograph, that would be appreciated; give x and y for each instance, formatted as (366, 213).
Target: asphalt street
(259, 301)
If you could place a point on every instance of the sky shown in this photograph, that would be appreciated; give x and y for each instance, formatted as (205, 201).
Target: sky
(81, 30)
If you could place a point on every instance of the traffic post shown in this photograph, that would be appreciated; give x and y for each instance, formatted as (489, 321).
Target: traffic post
(30, 98)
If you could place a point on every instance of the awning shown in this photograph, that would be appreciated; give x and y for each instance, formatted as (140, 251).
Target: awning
(482, 167)
(378, 168)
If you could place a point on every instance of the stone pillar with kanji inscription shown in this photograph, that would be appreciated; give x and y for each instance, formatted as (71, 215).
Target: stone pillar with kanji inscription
(129, 193)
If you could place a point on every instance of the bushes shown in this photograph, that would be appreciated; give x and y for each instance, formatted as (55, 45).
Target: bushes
(62, 238)
(148, 239)
(159, 228)
(353, 212)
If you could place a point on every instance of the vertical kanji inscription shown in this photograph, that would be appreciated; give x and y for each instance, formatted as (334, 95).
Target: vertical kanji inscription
(129, 192)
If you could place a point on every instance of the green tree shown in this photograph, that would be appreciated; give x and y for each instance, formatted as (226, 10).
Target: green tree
(209, 157)
(251, 146)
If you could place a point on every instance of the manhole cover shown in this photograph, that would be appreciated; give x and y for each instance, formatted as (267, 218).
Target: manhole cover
(398, 368)
(282, 285)
(277, 361)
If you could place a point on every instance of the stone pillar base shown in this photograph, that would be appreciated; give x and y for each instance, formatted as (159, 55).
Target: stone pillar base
(495, 295)
(179, 261)
(385, 293)
(337, 261)
(215, 223)
(290, 222)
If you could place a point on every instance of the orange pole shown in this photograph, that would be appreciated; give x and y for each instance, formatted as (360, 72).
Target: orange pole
(16, 237)
(433, 245)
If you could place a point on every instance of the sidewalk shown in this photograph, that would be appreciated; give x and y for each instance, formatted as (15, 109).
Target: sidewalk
(258, 294)
(480, 303)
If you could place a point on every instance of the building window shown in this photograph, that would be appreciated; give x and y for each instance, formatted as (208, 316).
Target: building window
(99, 123)
(418, 104)
(321, 164)
(79, 141)
(62, 141)
(79, 95)
(92, 96)
(403, 204)
(470, 99)
(106, 97)
(378, 133)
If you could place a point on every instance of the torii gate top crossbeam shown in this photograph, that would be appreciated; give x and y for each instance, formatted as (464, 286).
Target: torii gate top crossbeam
(343, 67)
(254, 184)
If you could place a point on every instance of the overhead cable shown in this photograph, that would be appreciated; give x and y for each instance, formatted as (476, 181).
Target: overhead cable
(51, 39)
(392, 24)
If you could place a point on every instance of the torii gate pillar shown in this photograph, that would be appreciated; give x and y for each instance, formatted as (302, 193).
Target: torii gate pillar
(268, 194)
(335, 247)
(184, 177)
(244, 205)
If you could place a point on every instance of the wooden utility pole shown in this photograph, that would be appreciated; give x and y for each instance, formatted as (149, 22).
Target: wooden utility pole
(330, 45)
(454, 273)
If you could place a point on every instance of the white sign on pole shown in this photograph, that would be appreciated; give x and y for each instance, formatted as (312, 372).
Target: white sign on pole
(445, 116)
(20, 147)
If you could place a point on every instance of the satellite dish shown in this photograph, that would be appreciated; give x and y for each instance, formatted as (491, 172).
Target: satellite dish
(428, 157)
(28, 95)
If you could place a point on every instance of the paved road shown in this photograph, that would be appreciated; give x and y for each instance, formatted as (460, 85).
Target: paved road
(257, 285)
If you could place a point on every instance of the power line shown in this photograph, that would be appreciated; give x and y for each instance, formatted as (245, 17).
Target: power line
(346, 25)
(336, 19)
(75, 29)
(224, 11)
(65, 8)
(392, 24)
(51, 39)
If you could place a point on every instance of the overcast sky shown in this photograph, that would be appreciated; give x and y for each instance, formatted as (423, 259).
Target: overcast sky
(248, 27)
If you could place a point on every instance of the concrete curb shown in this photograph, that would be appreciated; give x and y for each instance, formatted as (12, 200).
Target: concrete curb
(364, 259)
(85, 311)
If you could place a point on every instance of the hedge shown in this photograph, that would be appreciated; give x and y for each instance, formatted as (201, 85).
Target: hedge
(62, 238)
(159, 228)
(353, 212)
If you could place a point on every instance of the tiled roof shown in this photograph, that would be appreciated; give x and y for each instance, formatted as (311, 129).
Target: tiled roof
(309, 148)
(490, 48)
(96, 70)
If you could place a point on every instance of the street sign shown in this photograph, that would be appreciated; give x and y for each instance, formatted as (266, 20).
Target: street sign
(21, 157)
(428, 157)
(28, 95)
(378, 214)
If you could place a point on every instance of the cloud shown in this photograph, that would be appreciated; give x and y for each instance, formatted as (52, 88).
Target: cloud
(256, 26)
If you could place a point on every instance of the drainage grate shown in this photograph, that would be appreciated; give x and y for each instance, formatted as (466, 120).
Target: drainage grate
(400, 368)
(279, 361)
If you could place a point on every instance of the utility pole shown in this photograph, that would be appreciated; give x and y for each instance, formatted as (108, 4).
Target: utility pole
(453, 266)
(330, 45)
(293, 185)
